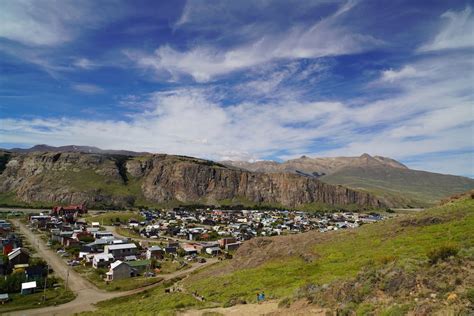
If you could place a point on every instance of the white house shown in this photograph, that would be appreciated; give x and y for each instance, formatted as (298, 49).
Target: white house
(118, 270)
(102, 260)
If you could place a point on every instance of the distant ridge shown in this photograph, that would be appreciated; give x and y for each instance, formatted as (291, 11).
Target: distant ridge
(75, 148)
(385, 177)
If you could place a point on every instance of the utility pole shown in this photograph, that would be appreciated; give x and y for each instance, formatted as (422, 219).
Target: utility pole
(67, 278)
(45, 282)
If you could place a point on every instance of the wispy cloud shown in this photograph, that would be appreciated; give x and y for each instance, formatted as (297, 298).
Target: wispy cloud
(87, 88)
(457, 32)
(84, 63)
(327, 37)
(44, 24)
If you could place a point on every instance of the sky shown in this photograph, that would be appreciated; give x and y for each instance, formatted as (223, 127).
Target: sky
(243, 80)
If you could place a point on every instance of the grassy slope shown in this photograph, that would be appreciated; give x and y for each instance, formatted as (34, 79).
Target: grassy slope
(340, 257)
(409, 187)
(344, 255)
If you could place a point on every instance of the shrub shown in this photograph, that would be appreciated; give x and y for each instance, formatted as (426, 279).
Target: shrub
(284, 303)
(442, 253)
(470, 295)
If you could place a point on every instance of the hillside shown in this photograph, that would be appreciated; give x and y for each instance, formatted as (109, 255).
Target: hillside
(404, 187)
(106, 180)
(388, 179)
(422, 263)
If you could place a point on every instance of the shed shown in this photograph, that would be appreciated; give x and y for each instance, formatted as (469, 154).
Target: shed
(28, 287)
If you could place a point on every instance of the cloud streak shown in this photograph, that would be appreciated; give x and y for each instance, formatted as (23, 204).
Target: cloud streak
(327, 37)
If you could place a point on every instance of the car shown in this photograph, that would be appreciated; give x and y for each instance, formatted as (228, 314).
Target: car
(61, 251)
(202, 260)
(149, 274)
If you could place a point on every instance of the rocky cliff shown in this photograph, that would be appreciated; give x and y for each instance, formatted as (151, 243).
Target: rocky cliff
(118, 180)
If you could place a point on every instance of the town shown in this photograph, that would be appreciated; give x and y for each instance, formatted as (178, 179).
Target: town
(123, 250)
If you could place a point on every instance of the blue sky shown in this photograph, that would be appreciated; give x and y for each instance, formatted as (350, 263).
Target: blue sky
(243, 80)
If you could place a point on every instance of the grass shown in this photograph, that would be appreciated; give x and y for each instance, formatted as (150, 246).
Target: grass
(21, 302)
(338, 258)
(94, 276)
(405, 187)
(127, 232)
(155, 301)
(344, 255)
(110, 218)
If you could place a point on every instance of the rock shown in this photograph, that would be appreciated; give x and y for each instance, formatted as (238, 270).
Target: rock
(101, 179)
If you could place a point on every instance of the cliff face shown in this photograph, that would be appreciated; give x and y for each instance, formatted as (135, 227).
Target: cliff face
(117, 180)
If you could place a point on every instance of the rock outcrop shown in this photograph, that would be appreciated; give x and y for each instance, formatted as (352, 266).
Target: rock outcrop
(117, 180)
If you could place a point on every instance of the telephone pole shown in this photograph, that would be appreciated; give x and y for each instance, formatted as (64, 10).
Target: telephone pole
(67, 278)
(45, 282)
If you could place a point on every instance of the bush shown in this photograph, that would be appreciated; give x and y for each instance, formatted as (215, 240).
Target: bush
(285, 303)
(442, 253)
(470, 295)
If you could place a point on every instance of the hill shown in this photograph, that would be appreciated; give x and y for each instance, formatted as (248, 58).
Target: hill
(388, 179)
(421, 263)
(111, 180)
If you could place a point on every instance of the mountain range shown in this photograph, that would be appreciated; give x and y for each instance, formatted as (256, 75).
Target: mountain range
(45, 178)
(44, 175)
(388, 179)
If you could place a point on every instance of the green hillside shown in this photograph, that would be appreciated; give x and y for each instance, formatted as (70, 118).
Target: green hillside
(402, 187)
(380, 268)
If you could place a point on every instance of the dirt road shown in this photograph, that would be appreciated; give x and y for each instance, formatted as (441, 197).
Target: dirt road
(87, 293)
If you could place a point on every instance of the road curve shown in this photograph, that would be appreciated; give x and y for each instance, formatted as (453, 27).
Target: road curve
(87, 294)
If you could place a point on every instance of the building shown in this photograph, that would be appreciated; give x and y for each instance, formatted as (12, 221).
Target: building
(154, 252)
(118, 270)
(120, 251)
(69, 210)
(224, 241)
(28, 287)
(213, 251)
(18, 256)
(102, 260)
(232, 246)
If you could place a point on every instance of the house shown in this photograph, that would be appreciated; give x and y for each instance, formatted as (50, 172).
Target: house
(154, 252)
(213, 251)
(232, 246)
(35, 272)
(224, 241)
(171, 249)
(130, 258)
(120, 251)
(102, 260)
(28, 287)
(18, 256)
(189, 249)
(139, 266)
(69, 210)
(118, 270)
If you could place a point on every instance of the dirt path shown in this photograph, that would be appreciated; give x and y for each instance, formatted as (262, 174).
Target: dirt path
(269, 308)
(237, 310)
(87, 293)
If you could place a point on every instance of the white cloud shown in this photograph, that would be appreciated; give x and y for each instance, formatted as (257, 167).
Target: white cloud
(457, 32)
(44, 23)
(84, 63)
(392, 75)
(327, 37)
(87, 88)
